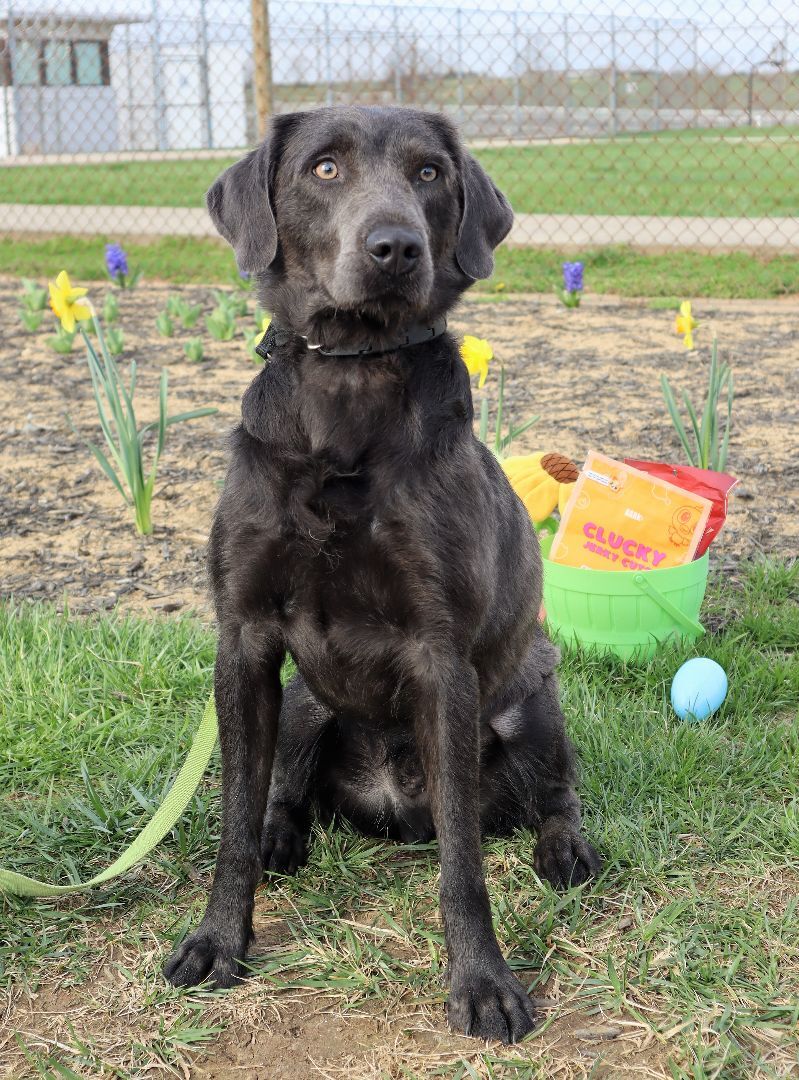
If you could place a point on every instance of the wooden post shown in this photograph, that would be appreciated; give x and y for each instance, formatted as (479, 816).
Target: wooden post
(262, 60)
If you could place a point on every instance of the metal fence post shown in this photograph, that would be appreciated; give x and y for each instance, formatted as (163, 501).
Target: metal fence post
(328, 59)
(132, 133)
(567, 69)
(750, 95)
(657, 77)
(612, 95)
(161, 132)
(262, 60)
(695, 87)
(12, 57)
(459, 60)
(205, 88)
(517, 69)
(517, 85)
(397, 56)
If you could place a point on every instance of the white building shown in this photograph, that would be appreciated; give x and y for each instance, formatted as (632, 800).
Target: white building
(72, 83)
(57, 94)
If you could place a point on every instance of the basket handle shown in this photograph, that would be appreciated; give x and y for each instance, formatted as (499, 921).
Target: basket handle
(645, 585)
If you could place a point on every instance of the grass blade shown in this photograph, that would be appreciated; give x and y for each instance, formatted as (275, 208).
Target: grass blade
(693, 417)
(725, 445)
(193, 414)
(515, 432)
(500, 400)
(484, 419)
(105, 465)
(676, 419)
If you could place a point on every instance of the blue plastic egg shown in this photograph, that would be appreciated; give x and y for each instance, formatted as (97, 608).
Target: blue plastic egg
(698, 688)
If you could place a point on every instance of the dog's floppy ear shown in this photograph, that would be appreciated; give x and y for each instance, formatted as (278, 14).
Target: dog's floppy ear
(241, 209)
(485, 222)
(240, 200)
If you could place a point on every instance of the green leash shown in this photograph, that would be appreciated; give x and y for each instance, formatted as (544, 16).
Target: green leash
(168, 813)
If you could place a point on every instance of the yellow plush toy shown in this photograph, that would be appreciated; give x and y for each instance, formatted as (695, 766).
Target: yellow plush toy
(543, 481)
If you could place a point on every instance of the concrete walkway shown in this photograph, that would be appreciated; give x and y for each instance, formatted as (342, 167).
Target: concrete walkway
(529, 230)
(776, 234)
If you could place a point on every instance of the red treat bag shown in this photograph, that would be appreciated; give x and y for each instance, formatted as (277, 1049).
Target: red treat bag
(711, 485)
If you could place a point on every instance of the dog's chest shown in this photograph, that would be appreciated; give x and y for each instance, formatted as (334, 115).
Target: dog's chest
(362, 598)
(358, 607)
(348, 408)
(362, 548)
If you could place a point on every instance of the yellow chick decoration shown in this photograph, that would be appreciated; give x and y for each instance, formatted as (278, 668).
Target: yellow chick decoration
(543, 481)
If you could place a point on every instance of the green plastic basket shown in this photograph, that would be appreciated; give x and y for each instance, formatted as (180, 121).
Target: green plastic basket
(622, 612)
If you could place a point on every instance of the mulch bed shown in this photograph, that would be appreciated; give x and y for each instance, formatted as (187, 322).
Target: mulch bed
(592, 375)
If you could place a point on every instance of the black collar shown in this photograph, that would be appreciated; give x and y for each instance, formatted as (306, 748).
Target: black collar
(415, 334)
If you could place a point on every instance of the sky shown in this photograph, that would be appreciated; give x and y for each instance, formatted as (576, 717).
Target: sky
(344, 39)
(744, 11)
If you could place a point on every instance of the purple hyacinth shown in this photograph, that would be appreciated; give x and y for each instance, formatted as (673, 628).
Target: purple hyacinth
(573, 277)
(116, 261)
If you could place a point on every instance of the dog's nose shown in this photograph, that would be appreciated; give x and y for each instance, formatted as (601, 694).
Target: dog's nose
(395, 250)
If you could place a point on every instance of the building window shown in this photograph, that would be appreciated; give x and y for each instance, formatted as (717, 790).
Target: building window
(90, 63)
(26, 63)
(56, 63)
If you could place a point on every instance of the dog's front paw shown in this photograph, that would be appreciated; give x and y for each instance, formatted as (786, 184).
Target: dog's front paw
(207, 955)
(284, 846)
(563, 856)
(490, 1003)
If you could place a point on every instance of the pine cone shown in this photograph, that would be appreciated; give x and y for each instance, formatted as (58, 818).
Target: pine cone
(560, 468)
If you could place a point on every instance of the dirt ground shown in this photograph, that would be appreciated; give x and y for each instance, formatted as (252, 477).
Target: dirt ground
(592, 375)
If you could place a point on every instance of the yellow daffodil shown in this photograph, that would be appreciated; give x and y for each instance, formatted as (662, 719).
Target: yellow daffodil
(264, 327)
(475, 353)
(542, 481)
(685, 324)
(64, 302)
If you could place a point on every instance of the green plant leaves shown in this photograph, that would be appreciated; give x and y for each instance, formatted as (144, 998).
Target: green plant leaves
(123, 464)
(34, 296)
(501, 439)
(709, 449)
(31, 320)
(164, 324)
(221, 324)
(194, 349)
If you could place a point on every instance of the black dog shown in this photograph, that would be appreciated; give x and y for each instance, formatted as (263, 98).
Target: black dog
(366, 531)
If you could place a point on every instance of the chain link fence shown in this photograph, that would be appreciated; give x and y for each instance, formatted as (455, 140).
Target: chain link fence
(629, 126)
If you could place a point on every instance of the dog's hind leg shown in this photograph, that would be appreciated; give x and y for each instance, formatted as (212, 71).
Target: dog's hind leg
(562, 854)
(289, 811)
(530, 781)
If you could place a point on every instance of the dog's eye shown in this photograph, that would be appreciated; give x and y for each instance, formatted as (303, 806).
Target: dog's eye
(326, 170)
(428, 173)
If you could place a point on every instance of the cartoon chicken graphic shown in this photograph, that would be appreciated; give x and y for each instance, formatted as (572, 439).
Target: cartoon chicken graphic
(683, 523)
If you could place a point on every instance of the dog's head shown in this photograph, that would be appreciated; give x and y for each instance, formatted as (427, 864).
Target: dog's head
(357, 221)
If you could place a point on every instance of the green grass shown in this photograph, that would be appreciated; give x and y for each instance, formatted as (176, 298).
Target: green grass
(620, 270)
(627, 272)
(685, 173)
(170, 258)
(688, 176)
(123, 183)
(691, 930)
(714, 134)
